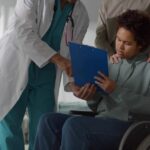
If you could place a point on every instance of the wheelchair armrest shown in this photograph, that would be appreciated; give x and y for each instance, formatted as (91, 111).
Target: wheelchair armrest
(83, 113)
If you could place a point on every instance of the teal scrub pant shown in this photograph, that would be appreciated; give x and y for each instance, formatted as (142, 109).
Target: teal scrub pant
(38, 99)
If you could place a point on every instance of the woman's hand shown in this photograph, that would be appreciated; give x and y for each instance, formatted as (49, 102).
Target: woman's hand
(115, 58)
(148, 60)
(85, 92)
(105, 83)
(63, 63)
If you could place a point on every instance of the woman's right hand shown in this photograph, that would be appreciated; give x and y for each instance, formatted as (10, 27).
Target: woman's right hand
(63, 63)
(105, 83)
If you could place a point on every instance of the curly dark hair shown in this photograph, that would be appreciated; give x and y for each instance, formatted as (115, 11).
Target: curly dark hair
(138, 23)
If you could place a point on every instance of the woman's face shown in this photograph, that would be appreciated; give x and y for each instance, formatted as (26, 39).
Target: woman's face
(126, 46)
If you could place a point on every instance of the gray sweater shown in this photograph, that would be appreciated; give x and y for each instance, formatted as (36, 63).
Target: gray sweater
(132, 93)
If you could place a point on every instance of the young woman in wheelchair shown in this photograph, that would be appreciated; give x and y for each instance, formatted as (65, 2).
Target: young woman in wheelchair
(127, 88)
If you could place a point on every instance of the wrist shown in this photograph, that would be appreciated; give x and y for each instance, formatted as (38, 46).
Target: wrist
(71, 85)
(56, 59)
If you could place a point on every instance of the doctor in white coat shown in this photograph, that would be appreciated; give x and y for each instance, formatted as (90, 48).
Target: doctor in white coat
(33, 54)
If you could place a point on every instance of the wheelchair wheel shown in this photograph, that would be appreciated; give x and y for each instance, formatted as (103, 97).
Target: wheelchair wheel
(135, 135)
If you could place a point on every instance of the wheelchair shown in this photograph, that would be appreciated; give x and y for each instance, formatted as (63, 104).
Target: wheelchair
(137, 136)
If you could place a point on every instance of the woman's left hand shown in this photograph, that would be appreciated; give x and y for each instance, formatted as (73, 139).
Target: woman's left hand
(85, 92)
(105, 83)
(115, 58)
(148, 60)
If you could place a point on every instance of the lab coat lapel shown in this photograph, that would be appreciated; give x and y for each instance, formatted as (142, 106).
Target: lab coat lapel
(45, 15)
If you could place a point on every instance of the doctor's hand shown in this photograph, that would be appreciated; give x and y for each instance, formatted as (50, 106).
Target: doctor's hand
(63, 63)
(85, 92)
(105, 83)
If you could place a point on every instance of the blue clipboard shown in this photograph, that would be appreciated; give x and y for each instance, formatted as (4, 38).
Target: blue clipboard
(86, 62)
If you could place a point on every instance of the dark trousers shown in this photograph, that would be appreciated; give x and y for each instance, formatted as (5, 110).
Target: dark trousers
(64, 132)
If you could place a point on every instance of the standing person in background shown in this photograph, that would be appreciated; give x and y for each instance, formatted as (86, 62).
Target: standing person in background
(107, 15)
(33, 55)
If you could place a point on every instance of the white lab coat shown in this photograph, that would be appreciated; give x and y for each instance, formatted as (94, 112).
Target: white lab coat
(22, 44)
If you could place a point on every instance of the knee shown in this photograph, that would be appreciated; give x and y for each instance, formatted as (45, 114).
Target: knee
(42, 125)
(72, 125)
(50, 121)
(45, 121)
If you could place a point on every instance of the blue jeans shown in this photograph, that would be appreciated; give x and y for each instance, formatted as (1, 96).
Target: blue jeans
(64, 132)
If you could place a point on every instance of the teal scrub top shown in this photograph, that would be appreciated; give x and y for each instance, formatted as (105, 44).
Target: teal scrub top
(54, 34)
(47, 74)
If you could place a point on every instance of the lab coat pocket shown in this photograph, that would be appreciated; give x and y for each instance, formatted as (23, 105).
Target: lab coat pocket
(9, 58)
